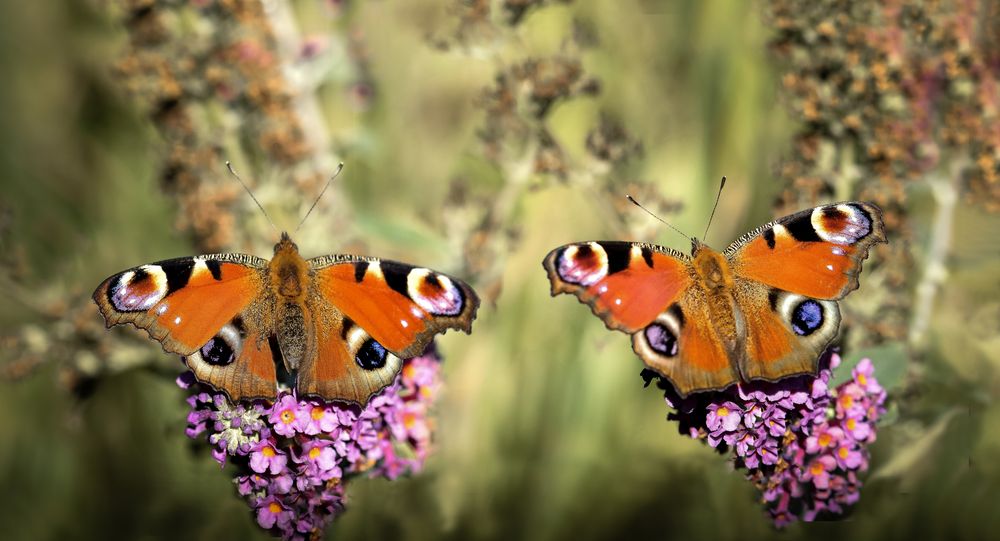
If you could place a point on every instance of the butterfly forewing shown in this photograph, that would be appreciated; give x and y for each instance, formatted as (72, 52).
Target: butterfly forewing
(817, 252)
(183, 302)
(626, 284)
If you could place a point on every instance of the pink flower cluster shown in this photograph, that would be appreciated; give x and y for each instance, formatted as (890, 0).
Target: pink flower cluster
(294, 455)
(799, 441)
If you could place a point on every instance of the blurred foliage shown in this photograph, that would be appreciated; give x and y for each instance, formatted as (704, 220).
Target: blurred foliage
(477, 135)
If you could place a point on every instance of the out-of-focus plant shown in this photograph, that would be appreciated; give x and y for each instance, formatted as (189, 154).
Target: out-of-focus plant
(518, 141)
(892, 97)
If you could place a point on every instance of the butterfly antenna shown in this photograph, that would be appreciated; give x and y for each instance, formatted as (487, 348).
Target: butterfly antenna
(245, 187)
(340, 168)
(717, 197)
(664, 222)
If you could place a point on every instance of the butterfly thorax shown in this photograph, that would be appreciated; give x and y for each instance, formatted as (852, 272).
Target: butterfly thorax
(288, 270)
(712, 268)
(289, 275)
(715, 278)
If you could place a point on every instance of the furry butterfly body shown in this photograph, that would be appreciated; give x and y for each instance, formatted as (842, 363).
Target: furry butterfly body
(335, 327)
(763, 309)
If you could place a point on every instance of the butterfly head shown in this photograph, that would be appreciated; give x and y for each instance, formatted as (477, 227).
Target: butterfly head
(285, 244)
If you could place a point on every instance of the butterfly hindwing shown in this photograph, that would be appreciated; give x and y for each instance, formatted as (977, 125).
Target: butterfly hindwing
(681, 345)
(348, 363)
(785, 333)
(240, 360)
(817, 252)
(626, 284)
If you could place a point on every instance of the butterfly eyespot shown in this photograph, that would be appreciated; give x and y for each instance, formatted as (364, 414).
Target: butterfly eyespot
(582, 264)
(223, 348)
(841, 224)
(138, 290)
(661, 339)
(371, 356)
(807, 316)
(217, 352)
(435, 293)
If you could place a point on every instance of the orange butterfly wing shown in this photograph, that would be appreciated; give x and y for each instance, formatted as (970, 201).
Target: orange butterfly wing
(645, 290)
(788, 273)
(183, 302)
(626, 284)
(238, 361)
(816, 252)
(206, 309)
(371, 313)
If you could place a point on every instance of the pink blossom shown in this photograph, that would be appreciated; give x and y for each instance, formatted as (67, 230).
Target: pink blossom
(725, 417)
(285, 415)
(270, 513)
(265, 458)
(848, 457)
(314, 418)
(819, 471)
(824, 438)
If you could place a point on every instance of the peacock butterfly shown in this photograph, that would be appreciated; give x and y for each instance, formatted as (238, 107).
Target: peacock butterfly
(336, 327)
(763, 309)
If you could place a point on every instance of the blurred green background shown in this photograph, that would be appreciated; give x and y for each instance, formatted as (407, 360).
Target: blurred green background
(477, 136)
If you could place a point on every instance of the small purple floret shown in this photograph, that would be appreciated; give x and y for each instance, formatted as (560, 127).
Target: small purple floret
(293, 457)
(799, 441)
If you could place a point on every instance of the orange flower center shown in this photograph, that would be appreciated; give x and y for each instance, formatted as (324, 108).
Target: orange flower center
(409, 420)
(862, 379)
(314, 453)
(847, 400)
(843, 451)
(851, 423)
(722, 412)
(816, 468)
(317, 413)
(824, 439)
(275, 507)
(268, 451)
(287, 417)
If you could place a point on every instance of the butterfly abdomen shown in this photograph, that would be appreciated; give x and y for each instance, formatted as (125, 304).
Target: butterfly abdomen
(291, 333)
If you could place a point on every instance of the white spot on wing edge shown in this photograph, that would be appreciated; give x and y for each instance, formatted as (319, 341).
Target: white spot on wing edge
(635, 252)
(375, 269)
(199, 267)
